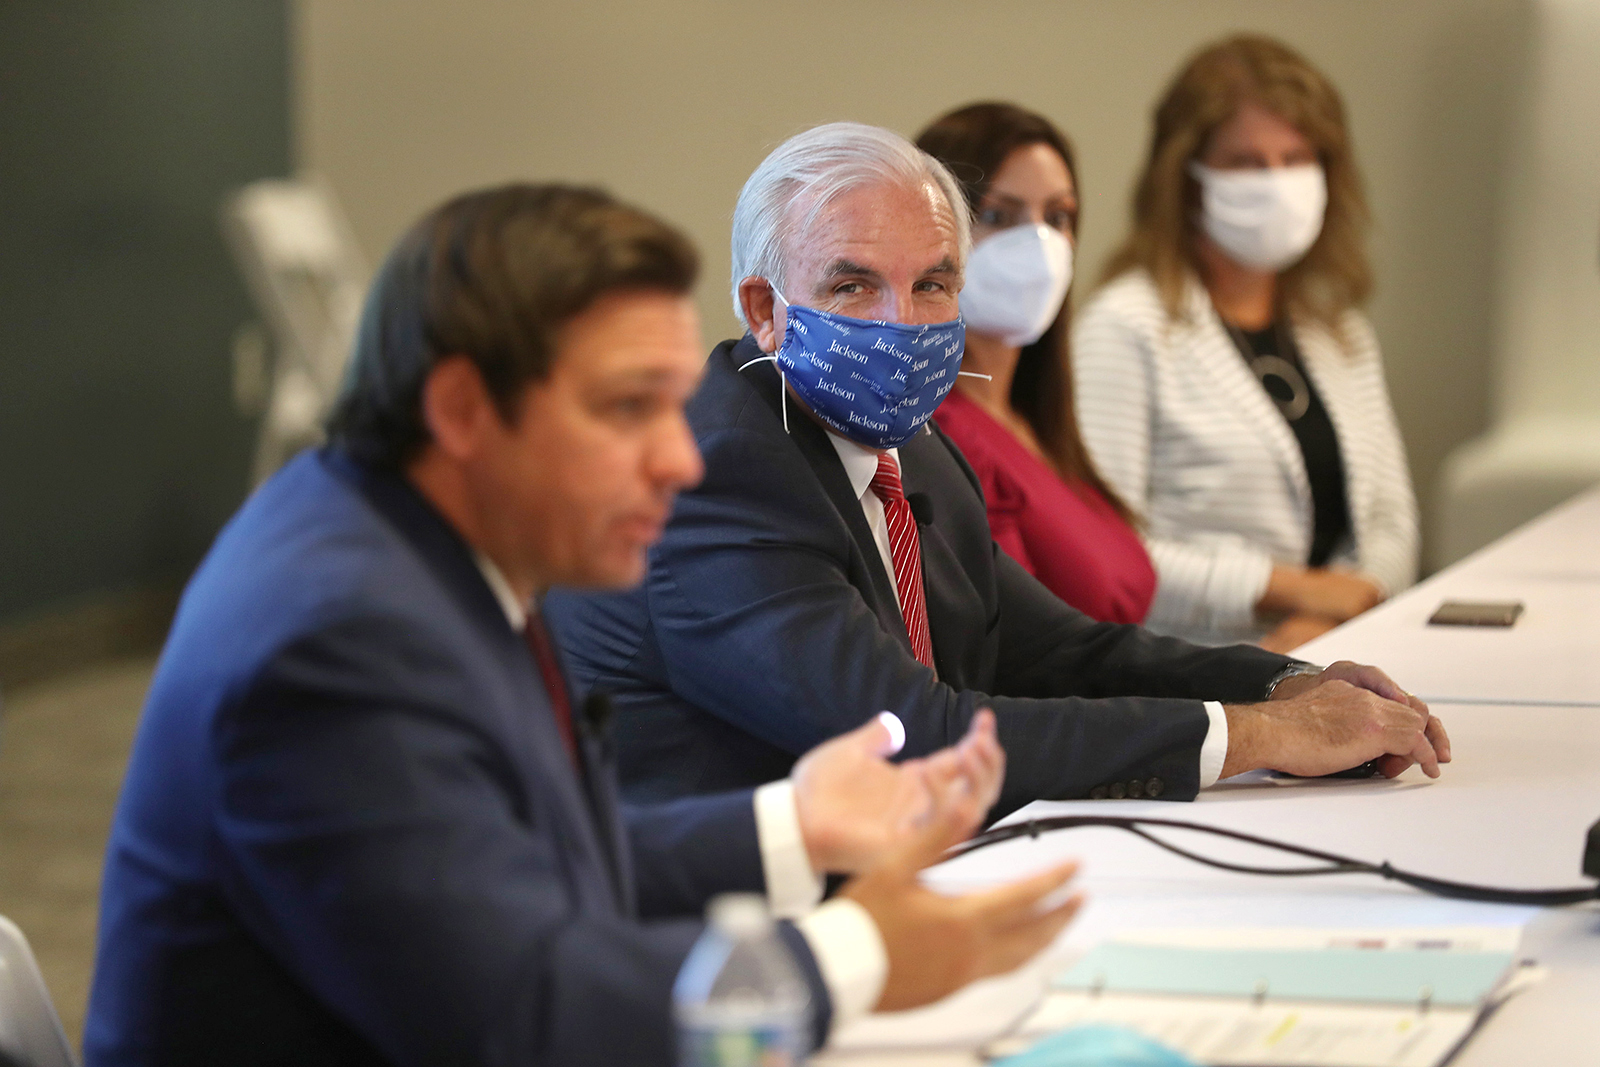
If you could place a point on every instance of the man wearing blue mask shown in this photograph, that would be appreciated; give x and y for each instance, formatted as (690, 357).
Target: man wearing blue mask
(836, 559)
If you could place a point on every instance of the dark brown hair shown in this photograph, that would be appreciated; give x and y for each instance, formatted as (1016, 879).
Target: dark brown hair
(492, 275)
(974, 142)
(1334, 275)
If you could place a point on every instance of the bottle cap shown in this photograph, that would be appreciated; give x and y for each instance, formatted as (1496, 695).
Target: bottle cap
(739, 915)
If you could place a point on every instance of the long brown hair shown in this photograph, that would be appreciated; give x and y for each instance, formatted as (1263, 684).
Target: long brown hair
(1334, 275)
(974, 141)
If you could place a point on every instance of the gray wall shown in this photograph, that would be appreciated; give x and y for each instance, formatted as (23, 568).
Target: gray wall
(122, 123)
(121, 126)
(671, 105)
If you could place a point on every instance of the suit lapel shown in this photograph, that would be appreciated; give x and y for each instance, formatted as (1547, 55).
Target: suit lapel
(1239, 390)
(586, 815)
(813, 443)
(532, 730)
(592, 731)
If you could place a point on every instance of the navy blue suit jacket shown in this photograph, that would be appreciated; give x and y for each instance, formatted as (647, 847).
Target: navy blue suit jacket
(350, 834)
(768, 624)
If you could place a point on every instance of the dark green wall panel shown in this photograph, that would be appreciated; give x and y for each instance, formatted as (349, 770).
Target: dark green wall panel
(122, 124)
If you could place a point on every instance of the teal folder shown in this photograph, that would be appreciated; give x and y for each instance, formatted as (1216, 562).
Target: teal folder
(1370, 976)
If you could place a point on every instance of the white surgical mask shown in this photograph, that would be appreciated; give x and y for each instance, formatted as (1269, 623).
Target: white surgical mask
(1016, 281)
(1265, 218)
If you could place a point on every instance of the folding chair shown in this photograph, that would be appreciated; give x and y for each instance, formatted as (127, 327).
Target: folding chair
(308, 280)
(30, 1030)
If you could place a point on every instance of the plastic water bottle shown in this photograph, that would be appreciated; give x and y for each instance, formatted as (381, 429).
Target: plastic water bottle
(740, 1000)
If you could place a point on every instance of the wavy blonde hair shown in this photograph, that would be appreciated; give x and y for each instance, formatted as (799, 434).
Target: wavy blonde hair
(1334, 275)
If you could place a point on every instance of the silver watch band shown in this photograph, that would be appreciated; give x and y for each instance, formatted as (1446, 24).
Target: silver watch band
(1293, 670)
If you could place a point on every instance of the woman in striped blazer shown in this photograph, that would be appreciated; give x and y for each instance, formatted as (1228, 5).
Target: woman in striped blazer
(1227, 385)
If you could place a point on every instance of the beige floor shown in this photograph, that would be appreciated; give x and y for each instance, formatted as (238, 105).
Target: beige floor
(63, 747)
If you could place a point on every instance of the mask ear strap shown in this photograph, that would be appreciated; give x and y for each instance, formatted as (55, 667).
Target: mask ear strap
(783, 394)
(975, 374)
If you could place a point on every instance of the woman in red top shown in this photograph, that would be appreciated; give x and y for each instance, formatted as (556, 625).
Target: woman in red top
(1048, 507)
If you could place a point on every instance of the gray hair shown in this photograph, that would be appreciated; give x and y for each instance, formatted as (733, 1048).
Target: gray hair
(817, 166)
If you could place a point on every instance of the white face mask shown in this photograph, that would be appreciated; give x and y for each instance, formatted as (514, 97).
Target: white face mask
(1265, 218)
(1016, 281)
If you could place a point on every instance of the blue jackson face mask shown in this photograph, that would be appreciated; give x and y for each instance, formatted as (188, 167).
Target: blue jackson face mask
(874, 382)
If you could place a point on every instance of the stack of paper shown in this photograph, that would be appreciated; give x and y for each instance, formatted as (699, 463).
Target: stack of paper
(1332, 998)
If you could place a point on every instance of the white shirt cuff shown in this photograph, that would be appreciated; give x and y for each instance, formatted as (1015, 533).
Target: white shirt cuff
(850, 954)
(793, 888)
(1214, 750)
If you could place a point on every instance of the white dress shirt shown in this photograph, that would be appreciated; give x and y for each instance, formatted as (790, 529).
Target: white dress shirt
(861, 464)
(848, 948)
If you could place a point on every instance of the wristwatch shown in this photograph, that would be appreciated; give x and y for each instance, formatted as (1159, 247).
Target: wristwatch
(1295, 668)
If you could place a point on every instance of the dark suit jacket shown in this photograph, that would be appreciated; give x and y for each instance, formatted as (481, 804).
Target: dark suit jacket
(349, 832)
(768, 624)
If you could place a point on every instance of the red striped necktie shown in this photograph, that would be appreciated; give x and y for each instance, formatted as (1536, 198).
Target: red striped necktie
(906, 550)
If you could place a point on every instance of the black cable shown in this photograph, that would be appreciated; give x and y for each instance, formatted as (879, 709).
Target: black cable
(1332, 862)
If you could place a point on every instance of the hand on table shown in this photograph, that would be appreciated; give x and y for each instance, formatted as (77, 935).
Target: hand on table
(1333, 720)
(1295, 631)
(1333, 594)
(855, 806)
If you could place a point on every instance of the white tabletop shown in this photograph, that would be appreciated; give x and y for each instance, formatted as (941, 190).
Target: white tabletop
(1551, 655)
(1511, 811)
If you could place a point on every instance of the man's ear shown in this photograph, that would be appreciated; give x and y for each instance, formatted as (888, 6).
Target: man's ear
(456, 406)
(762, 310)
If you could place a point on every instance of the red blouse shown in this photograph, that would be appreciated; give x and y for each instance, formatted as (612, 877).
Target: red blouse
(1066, 534)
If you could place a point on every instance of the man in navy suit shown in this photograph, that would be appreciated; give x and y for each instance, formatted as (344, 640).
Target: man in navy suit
(365, 820)
(784, 607)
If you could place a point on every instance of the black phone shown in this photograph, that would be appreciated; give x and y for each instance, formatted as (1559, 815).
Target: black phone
(1368, 769)
(1476, 613)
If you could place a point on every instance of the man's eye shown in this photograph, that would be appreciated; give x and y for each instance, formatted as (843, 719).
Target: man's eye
(1060, 220)
(631, 407)
(848, 289)
(930, 285)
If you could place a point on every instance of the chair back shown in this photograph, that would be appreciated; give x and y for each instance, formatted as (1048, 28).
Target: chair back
(30, 1030)
(308, 279)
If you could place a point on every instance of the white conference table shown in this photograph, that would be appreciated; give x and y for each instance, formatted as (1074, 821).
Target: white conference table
(1551, 655)
(1512, 810)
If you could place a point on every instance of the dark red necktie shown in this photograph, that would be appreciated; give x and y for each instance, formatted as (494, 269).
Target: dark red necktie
(544, 654)
(905, 548)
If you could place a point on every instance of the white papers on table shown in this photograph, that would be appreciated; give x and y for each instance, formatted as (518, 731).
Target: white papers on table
(1355, 998)
(1242, 1034)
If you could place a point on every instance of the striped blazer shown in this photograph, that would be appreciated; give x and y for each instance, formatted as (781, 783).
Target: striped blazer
(1181, 427)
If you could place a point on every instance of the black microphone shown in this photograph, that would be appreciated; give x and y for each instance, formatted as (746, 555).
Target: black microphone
(595, 721)
(921, 508)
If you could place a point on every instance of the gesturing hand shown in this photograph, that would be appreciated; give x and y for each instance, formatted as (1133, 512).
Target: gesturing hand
(936, 943)
(855, 806)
